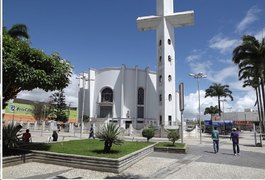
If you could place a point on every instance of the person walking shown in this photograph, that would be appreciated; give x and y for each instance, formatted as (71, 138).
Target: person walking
(215, 138)
(235, 139)
(91, 134)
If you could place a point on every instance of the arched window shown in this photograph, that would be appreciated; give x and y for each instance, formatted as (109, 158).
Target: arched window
(107, 95)
(160, 78)
(160, 42)
(169, 97)
(169, 78)
(140, 96)
(160, 97)
(169, 41)
(160, 59)
(169, 58)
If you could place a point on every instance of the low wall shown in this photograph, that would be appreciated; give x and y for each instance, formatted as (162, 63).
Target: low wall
(77, 161)
(171, 150)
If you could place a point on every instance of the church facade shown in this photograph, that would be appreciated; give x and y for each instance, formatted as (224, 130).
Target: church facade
(126, 96)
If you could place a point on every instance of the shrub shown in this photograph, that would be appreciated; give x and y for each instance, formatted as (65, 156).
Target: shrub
(11, 137)
(110, 135)
(148, 133)
(173, 136)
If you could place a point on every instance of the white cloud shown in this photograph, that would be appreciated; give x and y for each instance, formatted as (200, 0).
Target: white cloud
(240, 103)
(223, 44)
(192, 104)
(261, 34)
(71, 93)
(250, 17)
(227, 73)
(245, 102)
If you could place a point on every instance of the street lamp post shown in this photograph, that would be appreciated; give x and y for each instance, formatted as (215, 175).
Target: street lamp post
(222, 117)
(198, 76)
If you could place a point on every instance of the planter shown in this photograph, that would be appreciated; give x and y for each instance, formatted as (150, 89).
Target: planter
(78, 161)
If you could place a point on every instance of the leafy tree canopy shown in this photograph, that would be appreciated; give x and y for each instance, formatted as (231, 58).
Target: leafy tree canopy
(26, 68)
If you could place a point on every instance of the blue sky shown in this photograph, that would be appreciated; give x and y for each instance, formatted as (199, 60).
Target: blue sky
(103, 33)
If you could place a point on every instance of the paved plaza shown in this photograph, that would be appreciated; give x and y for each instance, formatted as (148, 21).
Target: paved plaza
(199, 162)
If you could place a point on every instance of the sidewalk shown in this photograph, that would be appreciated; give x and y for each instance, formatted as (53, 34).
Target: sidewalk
(199, 162)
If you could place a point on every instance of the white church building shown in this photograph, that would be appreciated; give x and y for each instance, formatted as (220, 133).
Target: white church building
(125, 96)
(138, 97)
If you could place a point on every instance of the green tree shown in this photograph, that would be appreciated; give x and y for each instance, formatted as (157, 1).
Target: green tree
(26, 68)
(218, 90)
(250, 58)
(38, 110)
(18, 31)
(60, 108)
(148, 133)
(212, 110)
(109, 133)
(173, 136)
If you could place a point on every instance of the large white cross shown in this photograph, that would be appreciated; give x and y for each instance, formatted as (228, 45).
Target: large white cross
(164, 22)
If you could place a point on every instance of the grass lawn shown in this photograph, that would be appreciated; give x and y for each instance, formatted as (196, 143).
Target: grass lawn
(91, 147)
(170, 144)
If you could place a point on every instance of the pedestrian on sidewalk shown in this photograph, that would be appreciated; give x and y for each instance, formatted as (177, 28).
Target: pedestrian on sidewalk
(235, 139)
(91, 133)
(215, 138)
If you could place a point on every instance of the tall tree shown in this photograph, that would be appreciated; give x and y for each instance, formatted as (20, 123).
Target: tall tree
(250, 58)
(218, 90)
(26, 68)
(60, 107)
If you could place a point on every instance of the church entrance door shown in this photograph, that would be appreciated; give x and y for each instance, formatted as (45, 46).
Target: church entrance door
(127, 124)
(105, 111)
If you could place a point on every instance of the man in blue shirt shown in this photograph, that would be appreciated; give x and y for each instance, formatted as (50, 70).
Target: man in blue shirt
(215, 138)
(235, 139)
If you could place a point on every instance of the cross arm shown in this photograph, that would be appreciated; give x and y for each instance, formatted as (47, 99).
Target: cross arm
(148, 23)
(185, 18)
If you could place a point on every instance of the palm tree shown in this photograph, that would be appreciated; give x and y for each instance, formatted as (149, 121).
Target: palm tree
(218, 90)
(110, 135)
(18, 31)
(250, 57)
(212, 110)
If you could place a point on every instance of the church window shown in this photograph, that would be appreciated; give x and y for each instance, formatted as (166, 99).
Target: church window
(169, 97)
(169, 58)
(170, 120)
(140, 96)
(160, 42)
(140, 112)
(169, 41)
(107, 95)
(160, 59)
(160, 120)
(169, 78)
(160, 97)
(160, 78)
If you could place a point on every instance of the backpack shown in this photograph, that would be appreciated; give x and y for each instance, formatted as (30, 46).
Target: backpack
(215, 135)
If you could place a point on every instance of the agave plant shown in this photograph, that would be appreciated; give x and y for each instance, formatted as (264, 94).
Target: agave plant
(11, 136)
(109, 133)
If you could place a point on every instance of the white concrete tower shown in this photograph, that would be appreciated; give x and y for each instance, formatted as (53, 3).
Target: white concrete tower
(164, 22)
